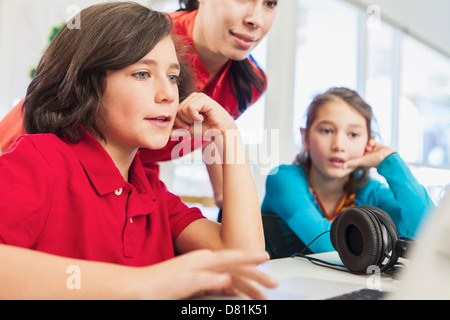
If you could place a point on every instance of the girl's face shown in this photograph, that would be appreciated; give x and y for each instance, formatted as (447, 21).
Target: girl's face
(338, 133)
(142, 100)
(232, 28)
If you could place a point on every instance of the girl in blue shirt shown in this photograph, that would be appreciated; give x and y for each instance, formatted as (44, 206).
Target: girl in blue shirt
(331, 174)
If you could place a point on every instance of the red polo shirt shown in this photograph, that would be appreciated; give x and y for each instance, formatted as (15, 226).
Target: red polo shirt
(71, 200)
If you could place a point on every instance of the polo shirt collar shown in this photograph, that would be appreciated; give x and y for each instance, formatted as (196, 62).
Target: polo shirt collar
(102, 171)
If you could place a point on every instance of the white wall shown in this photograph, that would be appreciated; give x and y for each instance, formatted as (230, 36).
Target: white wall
(25, 26)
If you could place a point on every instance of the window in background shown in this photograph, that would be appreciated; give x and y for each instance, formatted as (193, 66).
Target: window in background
(424, 127)
(380, 77)
(424, 116)
(251, 123)
(326, 53)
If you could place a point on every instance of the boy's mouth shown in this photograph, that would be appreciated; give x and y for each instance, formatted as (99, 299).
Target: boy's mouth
(160, 121)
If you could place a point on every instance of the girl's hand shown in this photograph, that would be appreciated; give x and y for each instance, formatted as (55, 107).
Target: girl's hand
(198, 107)
(374, 154)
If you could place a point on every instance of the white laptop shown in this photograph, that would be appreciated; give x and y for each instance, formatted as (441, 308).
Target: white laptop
(428, 274)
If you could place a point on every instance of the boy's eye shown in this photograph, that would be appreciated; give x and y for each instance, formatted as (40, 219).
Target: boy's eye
(173, 78)
(141, 75)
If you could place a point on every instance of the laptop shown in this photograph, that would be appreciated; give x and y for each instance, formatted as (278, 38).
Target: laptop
(428, 274)
(311, 289)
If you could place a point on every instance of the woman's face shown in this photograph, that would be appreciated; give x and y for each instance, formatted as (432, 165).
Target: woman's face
(338, 133)
(233, 28)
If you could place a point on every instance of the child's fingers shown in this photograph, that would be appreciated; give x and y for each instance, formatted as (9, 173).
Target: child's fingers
(180, 124)
(189, 114)
(192, 108)
(211, 282)
(351, 164)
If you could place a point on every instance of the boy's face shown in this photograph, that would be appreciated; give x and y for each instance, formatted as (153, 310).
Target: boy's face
(142, 100)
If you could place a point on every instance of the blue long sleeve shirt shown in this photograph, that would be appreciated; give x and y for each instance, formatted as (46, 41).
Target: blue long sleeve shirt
(289, 196)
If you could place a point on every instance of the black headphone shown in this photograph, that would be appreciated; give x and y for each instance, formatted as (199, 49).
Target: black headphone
(364, 236)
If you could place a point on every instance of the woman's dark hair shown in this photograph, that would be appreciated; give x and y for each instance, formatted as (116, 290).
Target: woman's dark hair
(358, 177)
(243, 76)
(70, 79)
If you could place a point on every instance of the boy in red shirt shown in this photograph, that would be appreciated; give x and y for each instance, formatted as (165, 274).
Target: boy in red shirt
(74, 191)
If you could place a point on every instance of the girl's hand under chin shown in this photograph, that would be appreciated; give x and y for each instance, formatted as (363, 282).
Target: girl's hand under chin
(374, 154)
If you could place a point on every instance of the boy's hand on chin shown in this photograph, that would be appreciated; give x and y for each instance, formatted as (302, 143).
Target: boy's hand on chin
(198, 107)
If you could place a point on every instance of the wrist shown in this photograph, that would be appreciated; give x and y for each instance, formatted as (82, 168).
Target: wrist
(153, 282)
(386, 154)
(231, 147)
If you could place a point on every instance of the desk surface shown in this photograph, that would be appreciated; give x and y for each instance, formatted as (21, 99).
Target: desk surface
(301, 279)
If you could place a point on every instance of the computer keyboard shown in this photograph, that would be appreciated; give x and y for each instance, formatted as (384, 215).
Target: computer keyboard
(363, 294)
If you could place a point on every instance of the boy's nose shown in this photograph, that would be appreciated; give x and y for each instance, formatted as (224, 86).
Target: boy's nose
(165, 92)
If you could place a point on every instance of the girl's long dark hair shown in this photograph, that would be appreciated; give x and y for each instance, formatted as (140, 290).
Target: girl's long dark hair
(70, 79)
(242, 74)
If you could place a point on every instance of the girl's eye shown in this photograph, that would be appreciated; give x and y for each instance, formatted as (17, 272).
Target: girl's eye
(353, 135)
(141, 75)
(326, 131)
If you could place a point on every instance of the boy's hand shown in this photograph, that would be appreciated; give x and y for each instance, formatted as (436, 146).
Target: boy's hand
(198, 107)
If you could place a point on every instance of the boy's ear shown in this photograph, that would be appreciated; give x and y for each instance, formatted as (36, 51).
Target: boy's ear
(304, 134)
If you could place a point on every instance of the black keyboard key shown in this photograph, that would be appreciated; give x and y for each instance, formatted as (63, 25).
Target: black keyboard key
(363, 294)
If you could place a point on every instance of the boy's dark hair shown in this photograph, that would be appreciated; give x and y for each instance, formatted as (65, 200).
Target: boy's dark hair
(358, 177)
(243, 76)
(70, 79)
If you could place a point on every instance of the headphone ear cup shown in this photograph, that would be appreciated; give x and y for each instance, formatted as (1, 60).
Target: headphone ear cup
(390, 234)
(333, 229)
(357, 239)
